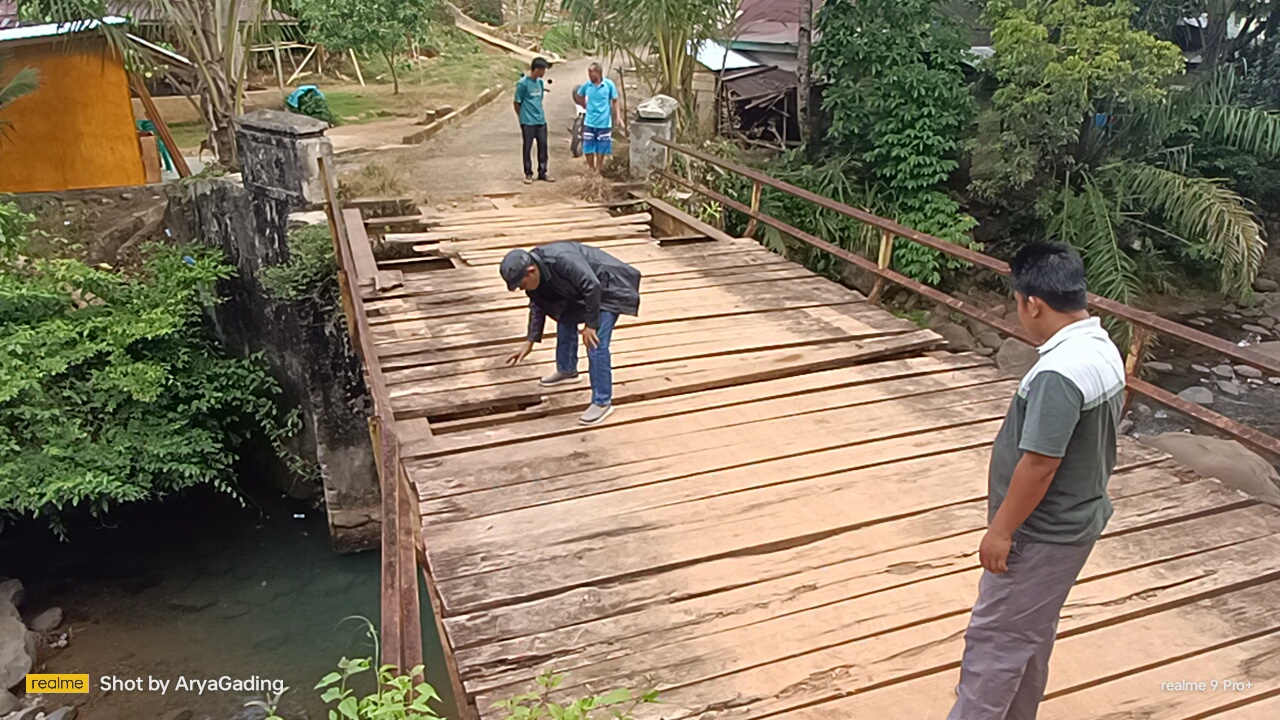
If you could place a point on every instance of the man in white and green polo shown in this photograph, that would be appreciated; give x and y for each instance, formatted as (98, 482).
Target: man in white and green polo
(1047, 489)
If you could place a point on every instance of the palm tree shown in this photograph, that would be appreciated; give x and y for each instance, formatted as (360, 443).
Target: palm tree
(1139, 199)
(24, 82)
(214, 34)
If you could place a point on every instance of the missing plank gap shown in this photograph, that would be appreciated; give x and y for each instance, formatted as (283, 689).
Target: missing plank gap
(477, 412)
(418, 264)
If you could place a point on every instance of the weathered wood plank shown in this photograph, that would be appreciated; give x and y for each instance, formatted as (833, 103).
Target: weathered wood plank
(579, 606)
(743, 522)
(856, 574)
(678, 303)
(951, 371)
(900, 625)
(673, 377)
(860, 430)
(509, 332)
(1265, 708)
(1112, 653)
(511, 327)
(496, 296)
(468, 279)
(657, 334)
(627, 351)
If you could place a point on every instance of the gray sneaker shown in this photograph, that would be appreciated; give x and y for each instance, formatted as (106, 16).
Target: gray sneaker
(559, 378)
(595, 415)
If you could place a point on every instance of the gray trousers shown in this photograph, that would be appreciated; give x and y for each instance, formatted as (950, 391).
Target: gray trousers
(1012, 630)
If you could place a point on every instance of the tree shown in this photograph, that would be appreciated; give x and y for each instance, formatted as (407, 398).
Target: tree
(382, 26)
(655, 35)
(899, 107)
(215, 35)
(23, 82)
(804, 71)
(1092, 126)
(111, 388)
(1255, 19)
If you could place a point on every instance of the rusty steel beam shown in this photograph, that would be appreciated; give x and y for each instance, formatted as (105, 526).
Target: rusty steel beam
(933, 294)
(1243, 433)
(401, 626)
(1141, 318)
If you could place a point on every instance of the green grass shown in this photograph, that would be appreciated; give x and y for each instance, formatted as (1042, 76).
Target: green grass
(353, 107)
(188, 135)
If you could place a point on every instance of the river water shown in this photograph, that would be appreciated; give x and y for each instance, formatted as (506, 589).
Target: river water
(201, 588)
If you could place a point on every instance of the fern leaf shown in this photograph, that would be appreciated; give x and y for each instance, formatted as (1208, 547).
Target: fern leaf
(1248, 129)
(1204, 213)
(1089, 221)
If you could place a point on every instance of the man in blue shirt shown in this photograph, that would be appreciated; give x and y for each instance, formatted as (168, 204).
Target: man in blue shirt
(533, 122)
(599, 96)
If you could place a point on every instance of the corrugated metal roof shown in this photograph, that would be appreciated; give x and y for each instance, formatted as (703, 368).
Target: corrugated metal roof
(717, 57)
(749, 84)
(773, 22)
(32, 32)
(145, 12)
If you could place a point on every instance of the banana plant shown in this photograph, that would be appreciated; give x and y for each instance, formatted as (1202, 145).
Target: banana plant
(215, 35)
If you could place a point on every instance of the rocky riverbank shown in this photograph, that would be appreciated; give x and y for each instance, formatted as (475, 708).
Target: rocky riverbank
(1196, 374)
(22, 635)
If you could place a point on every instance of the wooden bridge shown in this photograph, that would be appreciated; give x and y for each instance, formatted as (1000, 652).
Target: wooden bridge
(782, 517)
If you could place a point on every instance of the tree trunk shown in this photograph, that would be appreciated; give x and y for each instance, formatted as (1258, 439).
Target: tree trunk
(395, 79)
(804, 87)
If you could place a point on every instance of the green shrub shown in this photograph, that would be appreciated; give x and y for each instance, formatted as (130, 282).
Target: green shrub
(112, 390)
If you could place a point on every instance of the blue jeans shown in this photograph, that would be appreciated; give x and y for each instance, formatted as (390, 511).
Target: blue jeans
(599, 363)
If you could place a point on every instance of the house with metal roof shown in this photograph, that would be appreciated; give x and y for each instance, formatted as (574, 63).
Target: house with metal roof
(77, 129)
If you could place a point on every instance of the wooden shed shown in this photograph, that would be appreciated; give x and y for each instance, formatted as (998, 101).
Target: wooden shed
(76, 130)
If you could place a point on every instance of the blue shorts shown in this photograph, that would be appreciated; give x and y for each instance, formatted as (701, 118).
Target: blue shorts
(597, 141)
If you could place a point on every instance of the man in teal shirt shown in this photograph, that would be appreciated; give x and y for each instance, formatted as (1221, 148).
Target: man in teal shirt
(533, 122)
(599, 96)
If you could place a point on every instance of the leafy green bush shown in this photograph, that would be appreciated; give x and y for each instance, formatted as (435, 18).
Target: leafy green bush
(617, 704)
(311, 272)
(488, 12)
(564, 38)
(111, 388)
(313, 104)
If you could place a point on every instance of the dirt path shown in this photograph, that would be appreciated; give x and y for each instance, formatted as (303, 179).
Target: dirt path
(482, 154)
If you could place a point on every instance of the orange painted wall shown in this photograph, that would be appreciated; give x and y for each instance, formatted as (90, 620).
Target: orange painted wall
(76, 130)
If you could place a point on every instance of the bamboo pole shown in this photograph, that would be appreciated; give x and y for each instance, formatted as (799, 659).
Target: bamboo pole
(356, 63)
(303, 66)
(756, 189)
(883, 262)
(153, 114)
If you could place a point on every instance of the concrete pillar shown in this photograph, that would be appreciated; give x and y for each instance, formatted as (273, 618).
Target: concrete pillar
(655, 119)
(247, 217)
(279, 154)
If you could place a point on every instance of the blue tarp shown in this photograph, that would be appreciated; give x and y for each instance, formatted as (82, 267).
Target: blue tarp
(296, 95)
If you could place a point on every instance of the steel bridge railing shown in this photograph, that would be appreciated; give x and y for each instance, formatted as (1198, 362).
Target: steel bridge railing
(1144, 324)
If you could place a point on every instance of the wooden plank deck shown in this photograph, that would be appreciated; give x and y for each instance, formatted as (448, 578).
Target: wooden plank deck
(782, 518)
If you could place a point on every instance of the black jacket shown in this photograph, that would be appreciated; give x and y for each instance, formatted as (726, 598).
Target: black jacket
(577, 282)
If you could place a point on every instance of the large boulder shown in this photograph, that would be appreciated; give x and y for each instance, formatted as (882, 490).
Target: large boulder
(17, 647)
(8, 703)
(46, 621)
(957, 337)
(12, 592)
(1016, 357)
(1198, 395)
(1227, 460)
